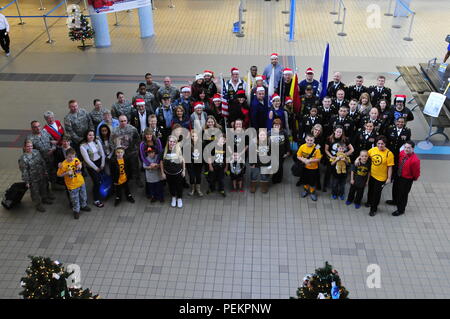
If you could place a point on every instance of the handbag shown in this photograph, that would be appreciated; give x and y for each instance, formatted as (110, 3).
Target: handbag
(298, 166)
(106, 183)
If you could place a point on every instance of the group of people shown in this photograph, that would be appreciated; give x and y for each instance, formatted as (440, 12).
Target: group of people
(354, 130)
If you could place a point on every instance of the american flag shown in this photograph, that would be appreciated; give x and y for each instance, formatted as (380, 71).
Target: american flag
(224, 99)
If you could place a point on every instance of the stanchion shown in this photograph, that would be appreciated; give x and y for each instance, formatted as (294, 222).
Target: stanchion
(46, 29)
(388, 13)
(117, 21)
(153, 6)
(292, 21)
(408, 37)
(65, 4)
(18, 11)
(240, 33)
(342, 33)
(42, 6)
(85, 5)
(286, 10)
(244, 5)
(338, 21)
(171, 5)
(334, 8)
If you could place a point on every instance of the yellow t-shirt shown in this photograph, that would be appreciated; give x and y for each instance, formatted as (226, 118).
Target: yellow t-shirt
(76, 179)
(380, 163)
(122, 174)
(305, 151)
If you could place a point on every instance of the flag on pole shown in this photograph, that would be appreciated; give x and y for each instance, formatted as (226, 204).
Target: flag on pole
(323, 86)
(295, 94)
(272, 83)
(224, 98)
(248, 89)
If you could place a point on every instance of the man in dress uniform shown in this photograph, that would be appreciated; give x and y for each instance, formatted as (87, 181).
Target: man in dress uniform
(308, 100)
(355, 91)
(342, 119)
(335, 85)
(309, 80)
(326, 111)
(379, 91)
(397, 136)
(309, 121)
(373, 118)
(340, 99)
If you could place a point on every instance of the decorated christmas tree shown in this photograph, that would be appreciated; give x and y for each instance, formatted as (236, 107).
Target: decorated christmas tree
(325, 283)
(47, 279)
(78, 24)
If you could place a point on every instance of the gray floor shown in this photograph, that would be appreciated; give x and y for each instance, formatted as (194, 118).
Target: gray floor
(244, 246)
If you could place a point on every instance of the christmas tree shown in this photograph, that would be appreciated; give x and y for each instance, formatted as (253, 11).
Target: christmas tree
(325, 283)
(79, 28)
(47, 279)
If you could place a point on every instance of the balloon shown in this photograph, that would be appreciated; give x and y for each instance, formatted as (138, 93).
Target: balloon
(105, 186)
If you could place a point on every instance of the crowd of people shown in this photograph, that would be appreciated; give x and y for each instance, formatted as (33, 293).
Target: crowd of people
(353, 134)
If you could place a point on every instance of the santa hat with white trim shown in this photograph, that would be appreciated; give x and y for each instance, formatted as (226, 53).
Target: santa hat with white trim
(139, 102)
(208, 72)
(400, 98)
(260, 88)
(185, 89)
(234, 71)
(274, 56)
(199, 105)
(309, 71)
(199, 76)
(288, 71)
(217, 97)
(288, 100)
(275, 97)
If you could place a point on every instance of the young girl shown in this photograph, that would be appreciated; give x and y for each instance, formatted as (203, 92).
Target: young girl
(195, 166)
(358, 179)
(105, 140)
(217, 167)
(260, 169)
(365, 139)
(237, 171)
(279, 137)
(153, 186)
(339, 164)
(119, 172)
(173, 169)
(277, 111)
(220, 113)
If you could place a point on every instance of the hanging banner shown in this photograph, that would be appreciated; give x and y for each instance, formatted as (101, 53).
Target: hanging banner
(108, 6)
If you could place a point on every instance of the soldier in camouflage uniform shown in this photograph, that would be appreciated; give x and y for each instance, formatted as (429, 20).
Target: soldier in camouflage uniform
(97, 113)
(127, 136)
(148, 97)
(77, 122)
(46, 145)
(152, 86)
(173, 92)
(34, 174)
(122, 106)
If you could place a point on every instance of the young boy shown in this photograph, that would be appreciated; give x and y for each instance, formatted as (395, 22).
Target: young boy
(358, 179)
(70, 169)
(310, 155)
(339, 176)
(217, 167)
(120, 174)
(237, 171)
(153, 187)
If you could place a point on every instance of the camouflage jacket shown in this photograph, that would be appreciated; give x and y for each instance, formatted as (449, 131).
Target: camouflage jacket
(77, 124)
(32, 166)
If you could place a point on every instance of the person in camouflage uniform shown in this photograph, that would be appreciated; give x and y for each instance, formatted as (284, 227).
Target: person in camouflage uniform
(46, 145)
(127, 136)
(34, 174)
(122, 106)
(77, 122)
(168, 88)
(148, 97)
(97, 113)
(152, 86)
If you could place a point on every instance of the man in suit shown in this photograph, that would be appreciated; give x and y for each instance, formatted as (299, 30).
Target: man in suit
(379, 91)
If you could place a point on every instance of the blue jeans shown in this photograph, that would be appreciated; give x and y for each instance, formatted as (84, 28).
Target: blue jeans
(255, 175)
(155, 190)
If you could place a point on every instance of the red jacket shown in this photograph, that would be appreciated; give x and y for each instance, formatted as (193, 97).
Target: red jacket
(411, 168)
(56, 135)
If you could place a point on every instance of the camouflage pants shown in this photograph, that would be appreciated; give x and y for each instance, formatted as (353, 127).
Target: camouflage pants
(51, 169)
(39, 190)
(78, 197)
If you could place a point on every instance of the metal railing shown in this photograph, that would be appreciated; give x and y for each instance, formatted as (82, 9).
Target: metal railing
(18, 11)
(342, 11)
(396, 24)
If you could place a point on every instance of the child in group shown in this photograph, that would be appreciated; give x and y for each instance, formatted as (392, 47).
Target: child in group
(153, 186)
(310, 155)
(358, 179)
(339, 176)
(217, 167)
(237, 171)
(70, 169)
(120, 174)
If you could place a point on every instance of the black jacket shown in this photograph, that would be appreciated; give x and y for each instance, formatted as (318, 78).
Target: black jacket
(115, 172)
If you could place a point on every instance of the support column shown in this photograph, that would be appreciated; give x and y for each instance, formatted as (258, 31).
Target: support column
(146, 21)
(100, 25)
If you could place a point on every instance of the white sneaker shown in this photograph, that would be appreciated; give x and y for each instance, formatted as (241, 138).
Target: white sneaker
(179, 202)
(7, 54)
(174, 202)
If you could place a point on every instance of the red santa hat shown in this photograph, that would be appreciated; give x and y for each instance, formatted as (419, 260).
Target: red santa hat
(400, 98)
(288, 100)
(139, 102)
(260, 78)
(217, 97)
(274, 56)
(241, 93)
(198, 77)
(208, 72)
(199, 105)
(234, 71)
(275, 97)
(309, 71)
(288, 71)
(260, 88)
(185, 89)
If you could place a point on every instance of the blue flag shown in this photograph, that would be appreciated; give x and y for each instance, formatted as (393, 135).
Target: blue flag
(323, 87)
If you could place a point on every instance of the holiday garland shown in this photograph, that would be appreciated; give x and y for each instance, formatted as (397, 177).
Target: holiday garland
(325, 283)
(46, 279)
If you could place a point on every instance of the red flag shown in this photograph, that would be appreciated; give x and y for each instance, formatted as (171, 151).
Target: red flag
(295, 95)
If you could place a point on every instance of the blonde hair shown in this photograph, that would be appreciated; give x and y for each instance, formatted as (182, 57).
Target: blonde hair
(177, 147)
(216, 125)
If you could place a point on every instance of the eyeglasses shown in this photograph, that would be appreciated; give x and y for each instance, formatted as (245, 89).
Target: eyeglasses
(123, 121)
